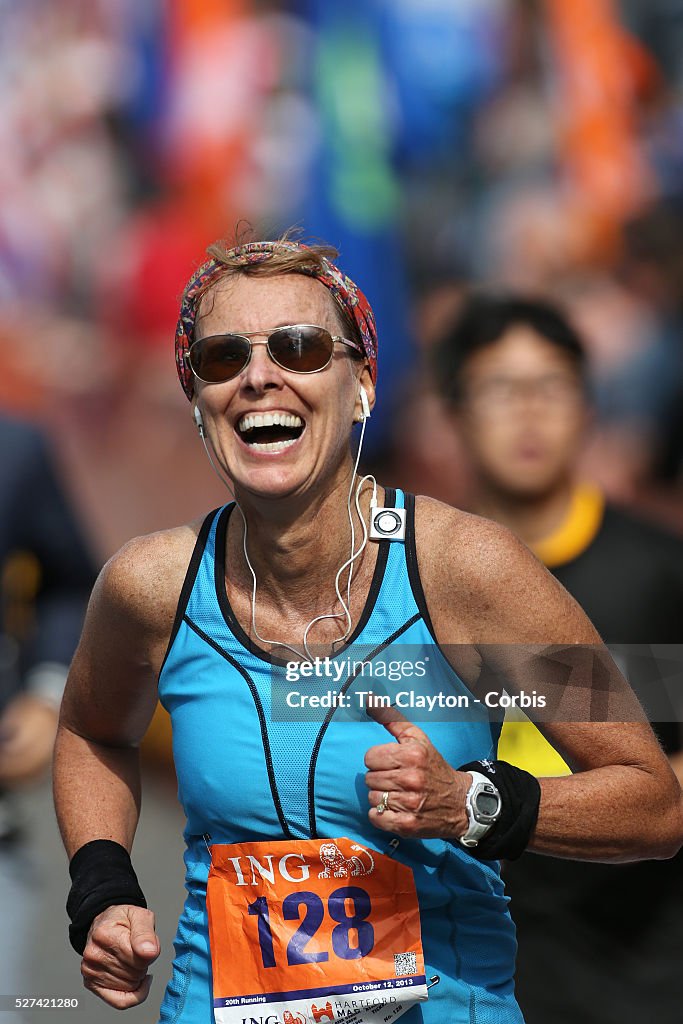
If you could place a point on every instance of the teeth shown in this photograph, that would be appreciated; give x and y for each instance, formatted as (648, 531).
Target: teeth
(272, 446)
(269, 419)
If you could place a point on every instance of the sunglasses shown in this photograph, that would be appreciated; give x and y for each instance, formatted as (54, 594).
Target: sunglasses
(301, 348)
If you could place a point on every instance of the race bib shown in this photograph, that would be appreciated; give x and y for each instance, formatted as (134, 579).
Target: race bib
(312, 931)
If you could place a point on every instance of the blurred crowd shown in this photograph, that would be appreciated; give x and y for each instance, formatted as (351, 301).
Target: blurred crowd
(528, 143)
(441, 145)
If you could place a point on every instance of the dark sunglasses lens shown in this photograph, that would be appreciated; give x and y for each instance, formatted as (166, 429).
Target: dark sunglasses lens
(302, 349)
(219, 358)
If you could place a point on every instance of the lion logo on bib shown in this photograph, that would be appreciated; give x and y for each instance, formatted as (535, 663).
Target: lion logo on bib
(336, 865)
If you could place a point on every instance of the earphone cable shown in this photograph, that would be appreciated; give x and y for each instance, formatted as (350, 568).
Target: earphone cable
(348, 563)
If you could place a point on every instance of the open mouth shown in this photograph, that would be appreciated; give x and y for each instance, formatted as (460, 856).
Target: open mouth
(270, 431)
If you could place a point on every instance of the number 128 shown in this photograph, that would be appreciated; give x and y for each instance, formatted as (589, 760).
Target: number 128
(313, 918)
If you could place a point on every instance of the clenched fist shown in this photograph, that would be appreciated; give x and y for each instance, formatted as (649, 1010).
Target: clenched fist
(121, 945)
(426, 796)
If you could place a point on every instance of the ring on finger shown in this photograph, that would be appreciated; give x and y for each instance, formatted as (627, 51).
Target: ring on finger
(383, 805)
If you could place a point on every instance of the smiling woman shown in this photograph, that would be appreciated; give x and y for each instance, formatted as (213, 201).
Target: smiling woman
(343, 866)
(253, 317)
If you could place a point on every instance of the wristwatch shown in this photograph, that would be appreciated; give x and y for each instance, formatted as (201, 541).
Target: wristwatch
(483, 805)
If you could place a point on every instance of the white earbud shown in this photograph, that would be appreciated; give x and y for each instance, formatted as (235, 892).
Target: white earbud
(364, 403)
(199, 422)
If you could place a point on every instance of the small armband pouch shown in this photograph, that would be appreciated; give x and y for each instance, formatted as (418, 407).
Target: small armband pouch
(520, 794)
(102, 876)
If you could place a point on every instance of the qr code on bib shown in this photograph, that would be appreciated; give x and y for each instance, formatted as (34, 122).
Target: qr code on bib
(405, 963)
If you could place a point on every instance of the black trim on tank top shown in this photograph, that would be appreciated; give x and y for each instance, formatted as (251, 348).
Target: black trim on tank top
(261, 716)
(313, 827)
(231, 619)
(413, 567)
(189, 581)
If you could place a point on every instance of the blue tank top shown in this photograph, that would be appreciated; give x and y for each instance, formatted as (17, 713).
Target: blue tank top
(250, 767)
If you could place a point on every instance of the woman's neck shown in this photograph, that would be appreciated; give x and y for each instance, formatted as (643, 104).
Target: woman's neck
(296, 546)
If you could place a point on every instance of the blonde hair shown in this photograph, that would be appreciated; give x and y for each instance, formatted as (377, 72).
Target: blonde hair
(282, 260)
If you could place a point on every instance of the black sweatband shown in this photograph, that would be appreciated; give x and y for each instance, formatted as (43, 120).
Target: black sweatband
(520, 795)
(102, 876)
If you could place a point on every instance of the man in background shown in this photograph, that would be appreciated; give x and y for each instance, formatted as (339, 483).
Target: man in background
(597, 943)
(46, 574)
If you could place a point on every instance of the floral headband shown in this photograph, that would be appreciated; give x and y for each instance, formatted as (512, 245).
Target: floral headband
(349, 297)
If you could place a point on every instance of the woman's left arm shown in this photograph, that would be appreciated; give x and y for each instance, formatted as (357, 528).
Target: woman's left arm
(624, 802)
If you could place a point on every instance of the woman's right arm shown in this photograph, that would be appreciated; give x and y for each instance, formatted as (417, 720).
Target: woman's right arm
(108, 703)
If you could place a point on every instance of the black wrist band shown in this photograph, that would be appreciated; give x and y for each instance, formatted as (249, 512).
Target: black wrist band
(102, 876)
(520, 795)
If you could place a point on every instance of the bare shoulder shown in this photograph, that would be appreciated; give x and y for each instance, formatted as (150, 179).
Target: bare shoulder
(142, 582)
(475, 538)
(457, 547)
(483, 585)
